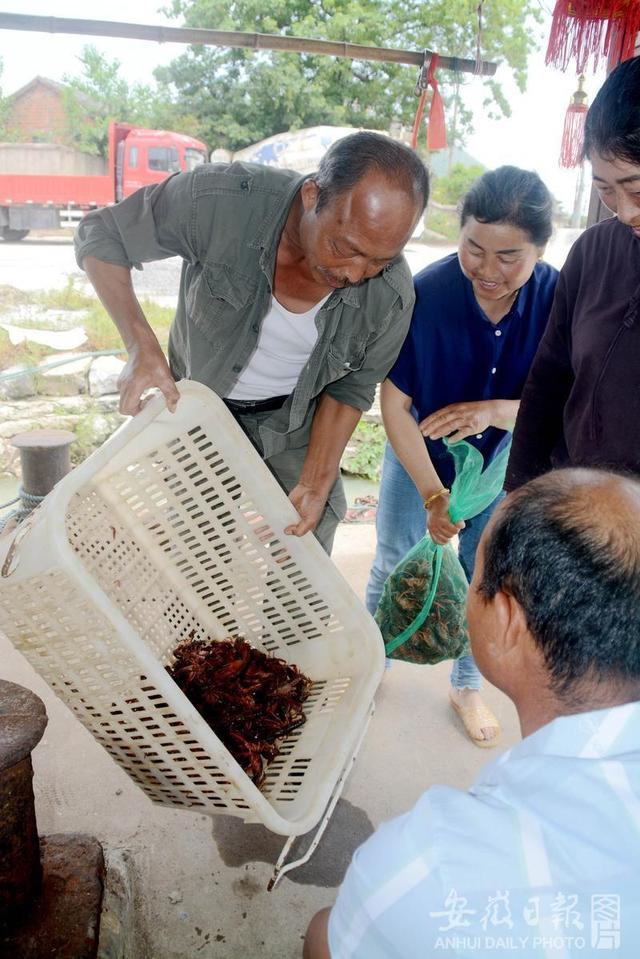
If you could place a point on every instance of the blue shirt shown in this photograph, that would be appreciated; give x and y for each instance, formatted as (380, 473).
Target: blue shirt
(453, 353)
(538, 860)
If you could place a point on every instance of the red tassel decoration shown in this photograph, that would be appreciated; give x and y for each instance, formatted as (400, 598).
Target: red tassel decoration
(582, 29)
(436, 126)
(573, 133)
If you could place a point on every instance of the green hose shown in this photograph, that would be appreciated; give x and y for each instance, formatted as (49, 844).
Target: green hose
(16, 374)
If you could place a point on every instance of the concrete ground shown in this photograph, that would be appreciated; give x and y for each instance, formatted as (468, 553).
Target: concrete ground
(203, 880)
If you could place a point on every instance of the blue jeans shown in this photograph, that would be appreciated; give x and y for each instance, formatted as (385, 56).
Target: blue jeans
(400, 524)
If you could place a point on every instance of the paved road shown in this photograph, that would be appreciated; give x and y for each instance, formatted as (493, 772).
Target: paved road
(42, 264)
(46, 263)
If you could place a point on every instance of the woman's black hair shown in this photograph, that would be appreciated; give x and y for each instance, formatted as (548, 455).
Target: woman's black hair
(514, 196)
(613, 121)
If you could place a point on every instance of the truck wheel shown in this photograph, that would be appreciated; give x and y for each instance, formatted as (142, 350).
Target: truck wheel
(12, 236)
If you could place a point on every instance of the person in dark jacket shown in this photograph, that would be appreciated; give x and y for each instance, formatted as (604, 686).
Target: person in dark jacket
(581, 402)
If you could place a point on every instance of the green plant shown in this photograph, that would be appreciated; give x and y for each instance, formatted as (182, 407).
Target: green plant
(452, 187)
(443, 222)
(23, 354)
(101, 331)
(259, 94)
(68, 298)
(363, 456)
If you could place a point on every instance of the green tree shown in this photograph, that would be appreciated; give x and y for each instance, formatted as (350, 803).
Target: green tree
(240, 96)
(450, 188)
(5, 133)
(100, 94)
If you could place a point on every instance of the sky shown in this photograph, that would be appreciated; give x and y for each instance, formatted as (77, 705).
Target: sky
(530, 138)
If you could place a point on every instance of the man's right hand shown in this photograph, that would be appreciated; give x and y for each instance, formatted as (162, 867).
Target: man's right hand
(440, 527)
(146, 368)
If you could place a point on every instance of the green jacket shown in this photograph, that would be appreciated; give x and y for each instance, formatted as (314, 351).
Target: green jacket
(225, 221)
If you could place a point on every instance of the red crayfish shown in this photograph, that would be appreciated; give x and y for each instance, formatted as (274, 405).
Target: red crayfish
(249, 699)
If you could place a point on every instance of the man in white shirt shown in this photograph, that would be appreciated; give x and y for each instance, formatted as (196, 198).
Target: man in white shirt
(540, 858)
(294, 299)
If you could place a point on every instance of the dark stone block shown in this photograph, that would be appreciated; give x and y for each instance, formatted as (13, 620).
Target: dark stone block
(22, 722)
(64, 921)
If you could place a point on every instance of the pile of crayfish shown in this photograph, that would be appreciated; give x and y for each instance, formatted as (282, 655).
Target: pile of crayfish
(249, 699)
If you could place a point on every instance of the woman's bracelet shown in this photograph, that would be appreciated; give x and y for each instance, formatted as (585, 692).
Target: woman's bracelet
(434, 496)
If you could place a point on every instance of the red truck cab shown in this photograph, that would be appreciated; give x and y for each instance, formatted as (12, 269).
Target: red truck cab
(149, 156)
(48, 186)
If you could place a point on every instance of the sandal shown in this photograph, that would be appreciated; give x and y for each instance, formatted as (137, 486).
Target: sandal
(474, 720)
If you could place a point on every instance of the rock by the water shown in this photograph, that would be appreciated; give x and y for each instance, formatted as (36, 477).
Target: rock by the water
(67, 379)
(91, 419)
(103, 375)
(18, 387)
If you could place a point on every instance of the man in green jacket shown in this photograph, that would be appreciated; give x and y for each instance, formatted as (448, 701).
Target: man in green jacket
(294, 299)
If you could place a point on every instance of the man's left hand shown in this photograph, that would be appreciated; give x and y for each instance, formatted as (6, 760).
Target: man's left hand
(459, 420)
(310, 504)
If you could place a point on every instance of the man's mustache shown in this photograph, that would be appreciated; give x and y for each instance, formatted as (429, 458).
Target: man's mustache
(343, 281)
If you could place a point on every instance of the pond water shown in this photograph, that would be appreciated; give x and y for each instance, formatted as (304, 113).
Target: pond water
(8, 491)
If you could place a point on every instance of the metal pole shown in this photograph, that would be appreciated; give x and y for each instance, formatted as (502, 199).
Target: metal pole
(235, 38)
(23, 719)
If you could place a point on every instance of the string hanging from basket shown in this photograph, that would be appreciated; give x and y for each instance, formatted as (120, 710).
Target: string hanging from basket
(573, 132)
(436, 127)
(581, 29)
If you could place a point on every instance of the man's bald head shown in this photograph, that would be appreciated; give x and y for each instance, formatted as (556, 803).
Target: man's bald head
(355, 156)
(566, 546)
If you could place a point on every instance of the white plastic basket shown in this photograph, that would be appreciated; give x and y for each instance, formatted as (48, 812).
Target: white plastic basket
(172, 528)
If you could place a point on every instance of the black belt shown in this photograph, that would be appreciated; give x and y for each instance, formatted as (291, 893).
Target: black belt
(256, 406)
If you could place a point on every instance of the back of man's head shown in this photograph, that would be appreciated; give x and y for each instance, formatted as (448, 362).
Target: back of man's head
(566, 547)
(348, 160)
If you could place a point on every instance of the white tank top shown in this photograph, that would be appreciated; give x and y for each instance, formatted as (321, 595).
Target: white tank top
(284, 345)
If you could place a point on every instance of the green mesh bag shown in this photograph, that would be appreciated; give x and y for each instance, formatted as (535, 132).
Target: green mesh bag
(421, 613)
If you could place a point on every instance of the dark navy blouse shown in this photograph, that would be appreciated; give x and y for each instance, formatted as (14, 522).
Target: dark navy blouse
(453, 353)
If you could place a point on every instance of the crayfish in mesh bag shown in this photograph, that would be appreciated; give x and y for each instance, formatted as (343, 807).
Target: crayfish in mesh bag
(422, 609)
(250, 700)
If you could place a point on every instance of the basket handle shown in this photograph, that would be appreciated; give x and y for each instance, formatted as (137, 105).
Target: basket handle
(12, 559)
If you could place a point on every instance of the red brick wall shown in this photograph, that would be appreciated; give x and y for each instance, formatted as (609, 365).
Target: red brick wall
(39, 115)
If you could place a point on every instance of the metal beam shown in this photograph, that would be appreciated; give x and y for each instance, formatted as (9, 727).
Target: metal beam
(233, 38)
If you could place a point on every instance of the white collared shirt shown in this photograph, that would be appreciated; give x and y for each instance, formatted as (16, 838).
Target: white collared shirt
(540, 858)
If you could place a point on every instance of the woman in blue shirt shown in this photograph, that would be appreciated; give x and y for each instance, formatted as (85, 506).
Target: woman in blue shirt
(477, 322)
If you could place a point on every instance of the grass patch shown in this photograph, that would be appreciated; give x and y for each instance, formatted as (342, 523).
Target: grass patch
(9, 296)
(25, 354)
(102, 333)
(68, 298)
(98, 325)
(444, 222)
